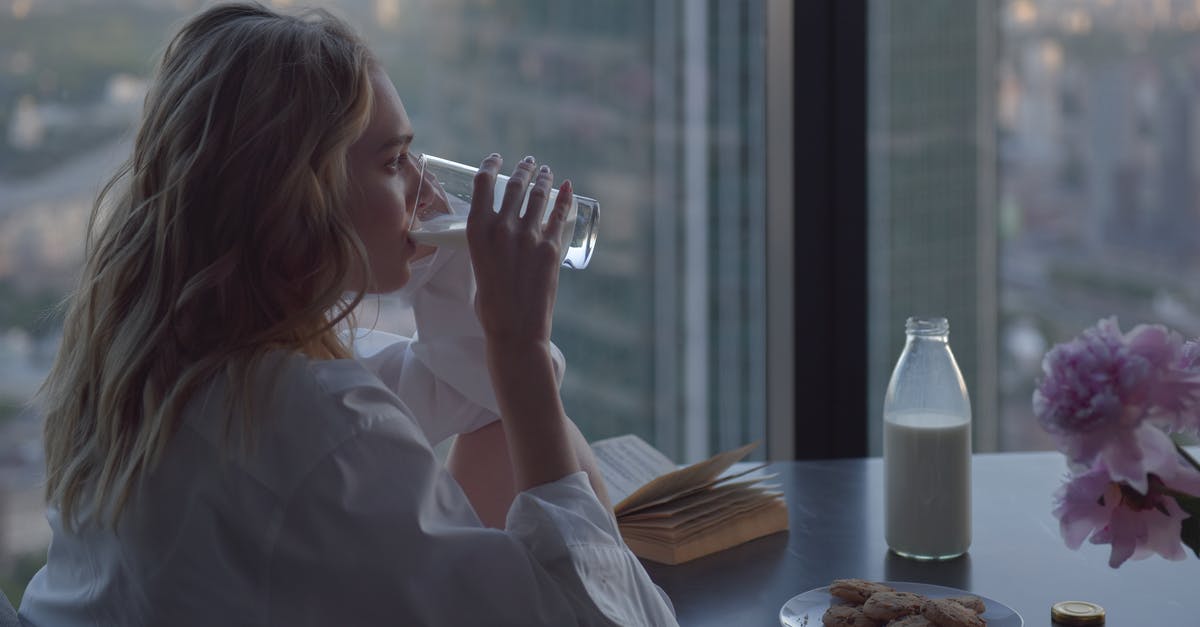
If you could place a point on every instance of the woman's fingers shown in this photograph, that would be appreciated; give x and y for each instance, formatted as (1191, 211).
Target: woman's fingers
(558, 215)
(536, 207)
(515, 258)
(514, 191)
(485, 185)
(502, 225)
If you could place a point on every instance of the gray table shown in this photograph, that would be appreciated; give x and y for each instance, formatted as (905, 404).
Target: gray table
(1017, 556)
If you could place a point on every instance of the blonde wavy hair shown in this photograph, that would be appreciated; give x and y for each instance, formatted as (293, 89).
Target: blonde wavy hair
(223, 237)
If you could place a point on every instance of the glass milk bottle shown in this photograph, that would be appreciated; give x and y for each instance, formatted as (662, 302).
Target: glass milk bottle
(927, 448)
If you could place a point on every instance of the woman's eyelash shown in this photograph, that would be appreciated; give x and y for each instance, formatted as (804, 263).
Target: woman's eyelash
(397, 160)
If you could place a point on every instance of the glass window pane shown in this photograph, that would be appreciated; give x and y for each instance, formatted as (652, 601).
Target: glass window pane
(1033, 169)
(653, 108)
(930, 240)
(1099, 158)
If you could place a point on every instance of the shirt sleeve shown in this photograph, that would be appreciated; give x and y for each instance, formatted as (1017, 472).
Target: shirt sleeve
(441, 407)
(379, 533)
(441, 374)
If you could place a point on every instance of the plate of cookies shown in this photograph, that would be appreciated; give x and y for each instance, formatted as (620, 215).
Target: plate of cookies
(861, 603)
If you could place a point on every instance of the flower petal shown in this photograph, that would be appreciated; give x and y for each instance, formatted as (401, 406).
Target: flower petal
(1154, 343)
(1127, 533)
(1124, 460)
(1162, 535)
(1079, 510)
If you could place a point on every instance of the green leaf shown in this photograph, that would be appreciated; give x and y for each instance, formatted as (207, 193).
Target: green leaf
(1190, 533)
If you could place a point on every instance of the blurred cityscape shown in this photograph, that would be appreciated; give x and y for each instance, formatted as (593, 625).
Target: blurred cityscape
(1098, 142)
(930, 202)
(596, 89)
(1035, 167)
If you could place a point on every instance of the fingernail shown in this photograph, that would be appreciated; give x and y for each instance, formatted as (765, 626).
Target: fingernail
(544, 169)
(494, 155)
(528, 159)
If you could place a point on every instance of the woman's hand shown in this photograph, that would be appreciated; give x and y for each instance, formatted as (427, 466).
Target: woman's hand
(516, 262)
(516, 259)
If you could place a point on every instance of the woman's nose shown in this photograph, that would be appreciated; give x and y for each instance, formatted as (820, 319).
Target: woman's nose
(413, 181)
(413, 168)
(425, 198)
(412, 173)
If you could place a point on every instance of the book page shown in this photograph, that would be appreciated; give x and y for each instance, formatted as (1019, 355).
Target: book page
(683, 480)
(718, 493)
(723, 516)
(745, 512)
(704, 510)
(627, 463)
(772, 517)
(636, 503)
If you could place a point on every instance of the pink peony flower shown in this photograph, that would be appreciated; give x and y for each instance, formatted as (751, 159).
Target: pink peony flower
(1187, 369)
(1100, 388)
(1131, 458)
(1189, 357)
(1135, 523)
(1110, 399)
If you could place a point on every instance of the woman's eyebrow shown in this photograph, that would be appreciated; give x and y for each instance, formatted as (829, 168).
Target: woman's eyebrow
(396, 141)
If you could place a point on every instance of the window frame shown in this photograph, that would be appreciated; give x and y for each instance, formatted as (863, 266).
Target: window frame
(817, 277)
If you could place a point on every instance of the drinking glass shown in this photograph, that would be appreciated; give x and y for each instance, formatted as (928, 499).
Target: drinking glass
(457, 181)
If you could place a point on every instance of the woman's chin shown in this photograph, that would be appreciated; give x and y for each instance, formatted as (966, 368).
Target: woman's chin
(391, 284)
(398, 278)
(422, 251)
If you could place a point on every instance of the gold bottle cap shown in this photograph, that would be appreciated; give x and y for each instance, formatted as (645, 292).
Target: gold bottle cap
(1077, 613)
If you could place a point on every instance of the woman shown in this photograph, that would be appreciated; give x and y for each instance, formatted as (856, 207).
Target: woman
(214, 454)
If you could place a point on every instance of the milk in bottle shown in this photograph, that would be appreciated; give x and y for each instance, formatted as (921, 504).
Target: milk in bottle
(927, 448)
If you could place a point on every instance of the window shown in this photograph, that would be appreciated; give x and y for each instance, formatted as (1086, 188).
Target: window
(931, 227)
(1033, 168)
(654, 108)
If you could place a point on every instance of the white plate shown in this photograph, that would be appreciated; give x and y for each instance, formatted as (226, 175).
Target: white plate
(806, 610)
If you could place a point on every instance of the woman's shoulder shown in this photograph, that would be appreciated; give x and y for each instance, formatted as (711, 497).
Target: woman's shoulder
(299, 410)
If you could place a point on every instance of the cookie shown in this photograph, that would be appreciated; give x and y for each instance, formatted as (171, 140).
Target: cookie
(885, 606)
(946, 613)
(913, 620)
(973, 603)
(846, 616)
(856, 590)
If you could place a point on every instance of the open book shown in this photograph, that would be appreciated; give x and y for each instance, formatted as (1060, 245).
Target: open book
(671, 515)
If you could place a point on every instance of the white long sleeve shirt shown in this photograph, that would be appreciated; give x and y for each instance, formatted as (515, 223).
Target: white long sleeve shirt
(340, 515)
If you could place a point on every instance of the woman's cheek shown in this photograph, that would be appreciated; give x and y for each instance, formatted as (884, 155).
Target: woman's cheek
(398, 200)
(383, 205)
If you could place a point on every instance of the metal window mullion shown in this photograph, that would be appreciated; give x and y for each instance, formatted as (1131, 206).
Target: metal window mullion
(727, 367)
(756, 226)
(695, 232)
(780, 219)
(985, 396)
(667, 193)
(882, 326)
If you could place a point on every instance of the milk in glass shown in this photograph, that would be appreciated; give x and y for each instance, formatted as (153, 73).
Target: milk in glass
(450, 230)
(927, 448)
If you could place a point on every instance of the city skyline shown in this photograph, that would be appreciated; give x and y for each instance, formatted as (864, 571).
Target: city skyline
(545, 86)
(1093, 194)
